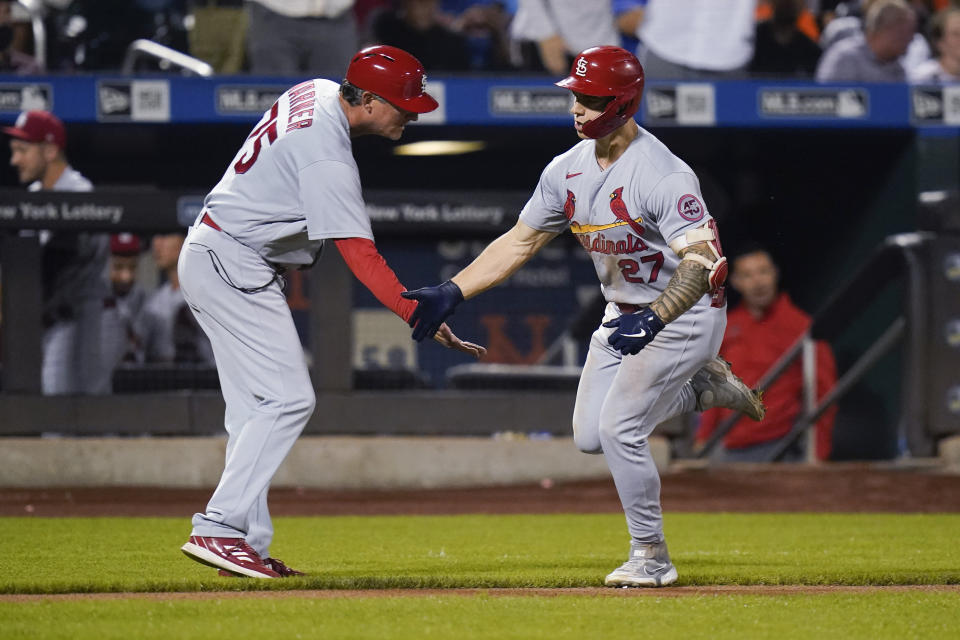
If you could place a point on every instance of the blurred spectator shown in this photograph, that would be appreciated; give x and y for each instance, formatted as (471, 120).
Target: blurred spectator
(548, 33)
(219, 34)
(95, 34)
(764, 325)
(629, 15)
(843, 21)
(687, 39)
(849, 23)
(945, 34)
(486, 26)
(874, 55)
(458, 7)
(166, 326)
(12, 58)
(122, 306)
(414, 26)
(806, 20)
(296, 37)
(73, 263)
(780, 47)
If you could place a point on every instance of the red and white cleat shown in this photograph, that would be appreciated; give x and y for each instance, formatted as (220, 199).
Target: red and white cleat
(273, 563)
(230, 554)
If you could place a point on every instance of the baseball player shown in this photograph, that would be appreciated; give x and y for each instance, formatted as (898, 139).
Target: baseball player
(73, 263)
(167, 331)
(121, 307)
(637, 210)
(292, 186)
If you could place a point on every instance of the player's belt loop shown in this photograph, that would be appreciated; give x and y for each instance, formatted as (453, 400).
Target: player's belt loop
(207, 220)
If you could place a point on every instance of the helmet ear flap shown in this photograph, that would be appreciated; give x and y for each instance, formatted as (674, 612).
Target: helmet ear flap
(620, 109)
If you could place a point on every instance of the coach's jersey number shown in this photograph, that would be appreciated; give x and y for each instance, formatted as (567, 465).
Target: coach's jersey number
(268, 129)
(629, 268)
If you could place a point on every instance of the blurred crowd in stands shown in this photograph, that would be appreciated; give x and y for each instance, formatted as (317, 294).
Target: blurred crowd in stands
(830, 40)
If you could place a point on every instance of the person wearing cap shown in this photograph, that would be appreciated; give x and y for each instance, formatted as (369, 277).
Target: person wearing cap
(73, 263)
(292, 187)
(168, 335)
(120, 339)
(636, 208)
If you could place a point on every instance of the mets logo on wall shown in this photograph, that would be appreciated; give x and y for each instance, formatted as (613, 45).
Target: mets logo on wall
(690, 207)
(570, 206)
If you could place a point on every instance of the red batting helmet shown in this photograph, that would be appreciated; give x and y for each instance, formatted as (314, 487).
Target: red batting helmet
(607, 71)
(394, 75)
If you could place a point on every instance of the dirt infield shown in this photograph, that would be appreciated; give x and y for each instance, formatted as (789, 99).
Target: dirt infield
(760, 488)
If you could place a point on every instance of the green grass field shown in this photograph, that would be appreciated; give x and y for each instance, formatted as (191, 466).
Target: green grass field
(90, 555)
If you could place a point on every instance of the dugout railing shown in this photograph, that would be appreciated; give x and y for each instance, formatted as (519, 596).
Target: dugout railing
(907, 257)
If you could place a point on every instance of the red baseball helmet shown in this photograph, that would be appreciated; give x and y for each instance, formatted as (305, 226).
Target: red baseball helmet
(607, 71)
(394, 75)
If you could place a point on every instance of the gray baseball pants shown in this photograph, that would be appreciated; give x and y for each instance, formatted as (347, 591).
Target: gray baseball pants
(621, 399)
(265, 382)
(72, 355)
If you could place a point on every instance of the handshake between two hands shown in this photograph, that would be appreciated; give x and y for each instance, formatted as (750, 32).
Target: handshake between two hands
(632, 332)
(436, 304)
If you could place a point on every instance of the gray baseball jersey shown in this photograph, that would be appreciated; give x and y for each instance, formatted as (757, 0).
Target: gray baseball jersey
(294, 182)
(75, 262)
(74, 289)
(624, 216)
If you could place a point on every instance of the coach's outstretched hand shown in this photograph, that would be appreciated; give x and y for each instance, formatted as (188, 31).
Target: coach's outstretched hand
(634, 331)
(436, 305)
(446, 337)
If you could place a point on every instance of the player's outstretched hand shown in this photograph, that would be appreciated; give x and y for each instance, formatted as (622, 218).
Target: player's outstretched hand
(446, 337)
(436, 305)
(634, 331)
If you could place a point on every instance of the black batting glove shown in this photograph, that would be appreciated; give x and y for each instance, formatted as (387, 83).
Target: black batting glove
(634, 331)
(436, 304)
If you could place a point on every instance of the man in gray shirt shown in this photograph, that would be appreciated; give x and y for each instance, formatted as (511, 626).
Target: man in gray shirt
(873, 56)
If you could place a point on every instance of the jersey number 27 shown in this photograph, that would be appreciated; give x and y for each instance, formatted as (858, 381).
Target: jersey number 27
(629, 267)
(268, 129)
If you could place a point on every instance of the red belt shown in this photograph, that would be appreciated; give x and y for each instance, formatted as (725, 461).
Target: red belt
(207, 220)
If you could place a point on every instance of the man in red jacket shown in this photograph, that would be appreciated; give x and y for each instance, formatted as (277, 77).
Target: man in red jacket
(758, 332)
